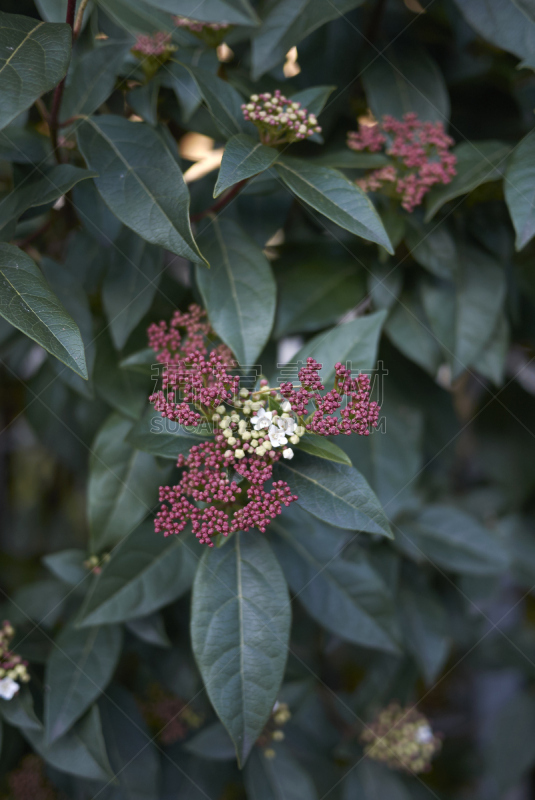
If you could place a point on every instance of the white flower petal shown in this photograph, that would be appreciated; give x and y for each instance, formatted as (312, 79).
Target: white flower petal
(288, 453)
(8, 688)
(286, 406)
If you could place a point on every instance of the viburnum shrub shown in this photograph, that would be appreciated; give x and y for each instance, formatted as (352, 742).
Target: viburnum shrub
(267, 286)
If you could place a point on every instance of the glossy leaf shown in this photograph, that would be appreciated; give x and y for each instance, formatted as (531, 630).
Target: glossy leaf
(223, 101)
(236, 12)
(452, 540)
(334, 493)
(243, 158)
(27, 302)
(287, 23)
(35, 57)
(406, 81)
(163, 437)
(131, 281)
(477, 163)
(238, 291)
(519, 190)
(67, 565)
(353, 343)
(323, 448)
(80, 666)
(92, 79)
(240, 623)
(49, 185)
(503, 23)
(123, 485)
(274, 778)
(146, 572)
(339, 589)
(140, 181)
(333, 195)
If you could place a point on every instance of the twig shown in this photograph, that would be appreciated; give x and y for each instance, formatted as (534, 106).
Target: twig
(79, 19)
(220, 203)
(58, 94)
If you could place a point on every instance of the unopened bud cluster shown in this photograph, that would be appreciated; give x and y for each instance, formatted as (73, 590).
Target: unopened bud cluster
(95, 563)
(13, 670)
(279, 119)
(212, 33)
(153, 51)
(420, 153)
(402, 739)
(169, 716)
(29, 781)
(273, 732)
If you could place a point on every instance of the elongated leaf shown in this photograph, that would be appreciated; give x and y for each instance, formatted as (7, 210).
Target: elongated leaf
(145, 573)
(81, 753)
(131, 280)
(140, 180)
(67, 565)
(133, 754)
(163, 437)
(27, 302)
(519, 188)
(213, 741)
(223, 101)
(504, 23)
(123, 484)
(332, 194)
(274, 778)
(239, 290)
(236, 12)
(477, 163)
(93, 79)
(453, 540)
(341, 591)
(335, 493)
(287, 23)
(406, 81)
(19, 711)
(240, 624)
(510, 750)
(150, 629)
(34, 58)
(243, 158)
(424, 621)
(353, 343)
(79, 668)
(47, 187)
(432, 246)
(408, 328)
(314, 98)
(323, 448)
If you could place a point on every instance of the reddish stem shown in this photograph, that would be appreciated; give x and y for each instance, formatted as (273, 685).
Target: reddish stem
(58, 94)
(220, 203)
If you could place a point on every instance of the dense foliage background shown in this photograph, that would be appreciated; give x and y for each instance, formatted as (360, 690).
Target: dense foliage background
(96, 244)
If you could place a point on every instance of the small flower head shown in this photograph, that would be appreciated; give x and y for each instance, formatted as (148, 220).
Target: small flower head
(288, 453)
(278, 119)
(402, 738)
(153, 51)
(212, 33)
(8, 688)
(420, 154)
(13, 670)
(262, 419)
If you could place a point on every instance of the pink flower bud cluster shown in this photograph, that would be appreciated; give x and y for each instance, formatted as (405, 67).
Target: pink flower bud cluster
(195, 26)
(402, 738)
(11, 666)
(420, 152)
(278, 119)
(29, 781)
(159, 44)
(359, 413)
(169, 716)
(227, 508)
(191, 375)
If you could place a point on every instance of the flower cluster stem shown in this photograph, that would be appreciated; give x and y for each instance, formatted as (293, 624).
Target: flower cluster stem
(58, 93)
(216, 207)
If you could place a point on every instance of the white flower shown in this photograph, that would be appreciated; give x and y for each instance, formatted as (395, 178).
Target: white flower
(423, 734)
(276, 436)
(286, 406)
(287, 425)
(288, 453)
(262, 419)
(8, 688)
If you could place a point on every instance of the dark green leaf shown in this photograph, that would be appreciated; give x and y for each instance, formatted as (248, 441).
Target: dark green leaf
(406, 80)
(477, 163)
(332, 194)
(519, 188)
(276, 778)
(92, 79)
(510, 751)
(223, 101)
(323, 448)
(408, 328)
(131, 280)
(35, 57)
(80, 666)
(236, 12)
(503, 23)
(163, 437)
(425, 627)
(19, 711)
(340, 590)
(432, 246)
(140, 180)
(287, 23)
(335, 493)
(369, 780)
(452, 540)
(240, 624)
(150, 629)
(353, 343)
(314, 98)
(243, 158)
(146, 572)
(49, 185)
(27, 302)
(123, 484)
(238, 291)
(67, 565)
(212, 742)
